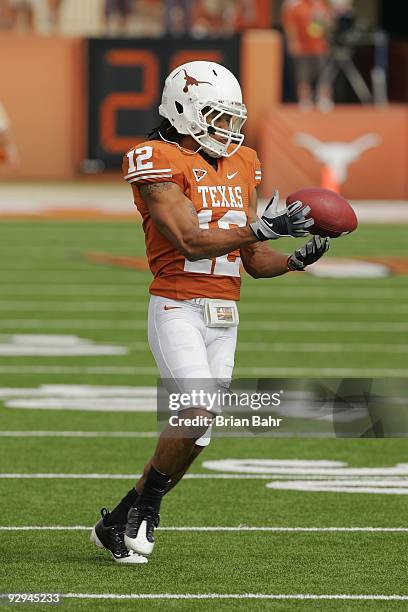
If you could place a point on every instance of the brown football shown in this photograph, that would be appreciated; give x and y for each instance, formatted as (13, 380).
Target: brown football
(333, 216)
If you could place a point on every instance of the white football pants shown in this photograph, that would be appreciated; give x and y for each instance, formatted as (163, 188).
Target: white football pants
(184, 347)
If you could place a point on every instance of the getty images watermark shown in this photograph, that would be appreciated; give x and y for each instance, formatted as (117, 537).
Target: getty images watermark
(220, 400)
(195, 405)
(284, 407)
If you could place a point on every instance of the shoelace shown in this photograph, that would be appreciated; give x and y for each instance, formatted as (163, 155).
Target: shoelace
(152, 520)
(104, 512)
(118, 533)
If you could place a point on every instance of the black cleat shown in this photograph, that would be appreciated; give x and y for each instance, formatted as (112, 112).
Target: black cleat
(112, 538)
(141, 522)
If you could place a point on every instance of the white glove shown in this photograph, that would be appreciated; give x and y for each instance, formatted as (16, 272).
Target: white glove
(309, 253)
(291, 221)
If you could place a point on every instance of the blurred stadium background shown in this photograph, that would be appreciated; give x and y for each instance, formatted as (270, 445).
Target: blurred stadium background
(77, 89)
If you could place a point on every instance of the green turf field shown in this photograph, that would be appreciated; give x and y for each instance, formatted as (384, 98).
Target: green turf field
(293, 326)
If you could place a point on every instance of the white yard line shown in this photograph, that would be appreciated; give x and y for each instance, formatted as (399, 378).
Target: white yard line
(78, 305)
(188, 596)
(87, 324)
(253, 372)
(238, 528)
(328, 326)
(78, 289)
(303, 596)
(318, 347)
(127, 434)
(264, 326)
(76, 434)
(323, 372)
(307, 347)
(227, 596)
(398, 481)
(66, 476)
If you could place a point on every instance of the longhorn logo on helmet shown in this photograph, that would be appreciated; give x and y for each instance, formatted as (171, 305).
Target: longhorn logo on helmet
(190, 81)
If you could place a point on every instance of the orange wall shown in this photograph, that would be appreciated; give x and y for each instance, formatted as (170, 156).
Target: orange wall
(42, 90)
(380, 173)
(261, 76)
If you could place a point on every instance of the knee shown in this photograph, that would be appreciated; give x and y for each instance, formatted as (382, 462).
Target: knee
(194, 422)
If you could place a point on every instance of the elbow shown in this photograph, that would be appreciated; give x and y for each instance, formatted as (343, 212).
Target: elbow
(191, 255)
(189, 249)
(253, 272)
(189, 252)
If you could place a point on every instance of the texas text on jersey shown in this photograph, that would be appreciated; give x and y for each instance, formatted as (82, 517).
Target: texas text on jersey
(221, 198)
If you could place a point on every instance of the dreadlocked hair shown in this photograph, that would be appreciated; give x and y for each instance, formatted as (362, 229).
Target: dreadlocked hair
(166, 130)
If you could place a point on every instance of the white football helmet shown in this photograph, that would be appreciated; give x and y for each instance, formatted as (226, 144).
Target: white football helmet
(195, 96)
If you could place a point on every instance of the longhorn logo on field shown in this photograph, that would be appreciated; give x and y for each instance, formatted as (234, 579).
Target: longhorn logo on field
(192, 81)
(321, 476)
(336, 156)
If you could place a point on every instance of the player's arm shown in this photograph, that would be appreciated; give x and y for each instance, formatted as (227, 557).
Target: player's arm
(258, 259)
(176, 218)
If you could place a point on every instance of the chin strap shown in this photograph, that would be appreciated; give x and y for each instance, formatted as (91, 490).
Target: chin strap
(212, 152)
(178, 146)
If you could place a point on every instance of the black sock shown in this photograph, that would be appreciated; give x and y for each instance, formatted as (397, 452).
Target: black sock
(118, 515)
(154, 488)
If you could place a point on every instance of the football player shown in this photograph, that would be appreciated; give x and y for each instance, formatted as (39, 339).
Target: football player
(194, 185)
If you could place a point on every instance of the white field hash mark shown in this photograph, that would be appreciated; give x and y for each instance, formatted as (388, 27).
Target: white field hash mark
(243, 371)
(44, 345)
(100, 398)
(210, 529)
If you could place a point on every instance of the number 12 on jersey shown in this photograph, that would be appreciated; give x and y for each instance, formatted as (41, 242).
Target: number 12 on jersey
(222, 265)
(140, 155)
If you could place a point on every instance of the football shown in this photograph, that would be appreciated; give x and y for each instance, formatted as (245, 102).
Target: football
(333, 216)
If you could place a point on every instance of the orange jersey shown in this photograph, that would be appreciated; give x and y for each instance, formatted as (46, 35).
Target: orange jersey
(221, 199)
